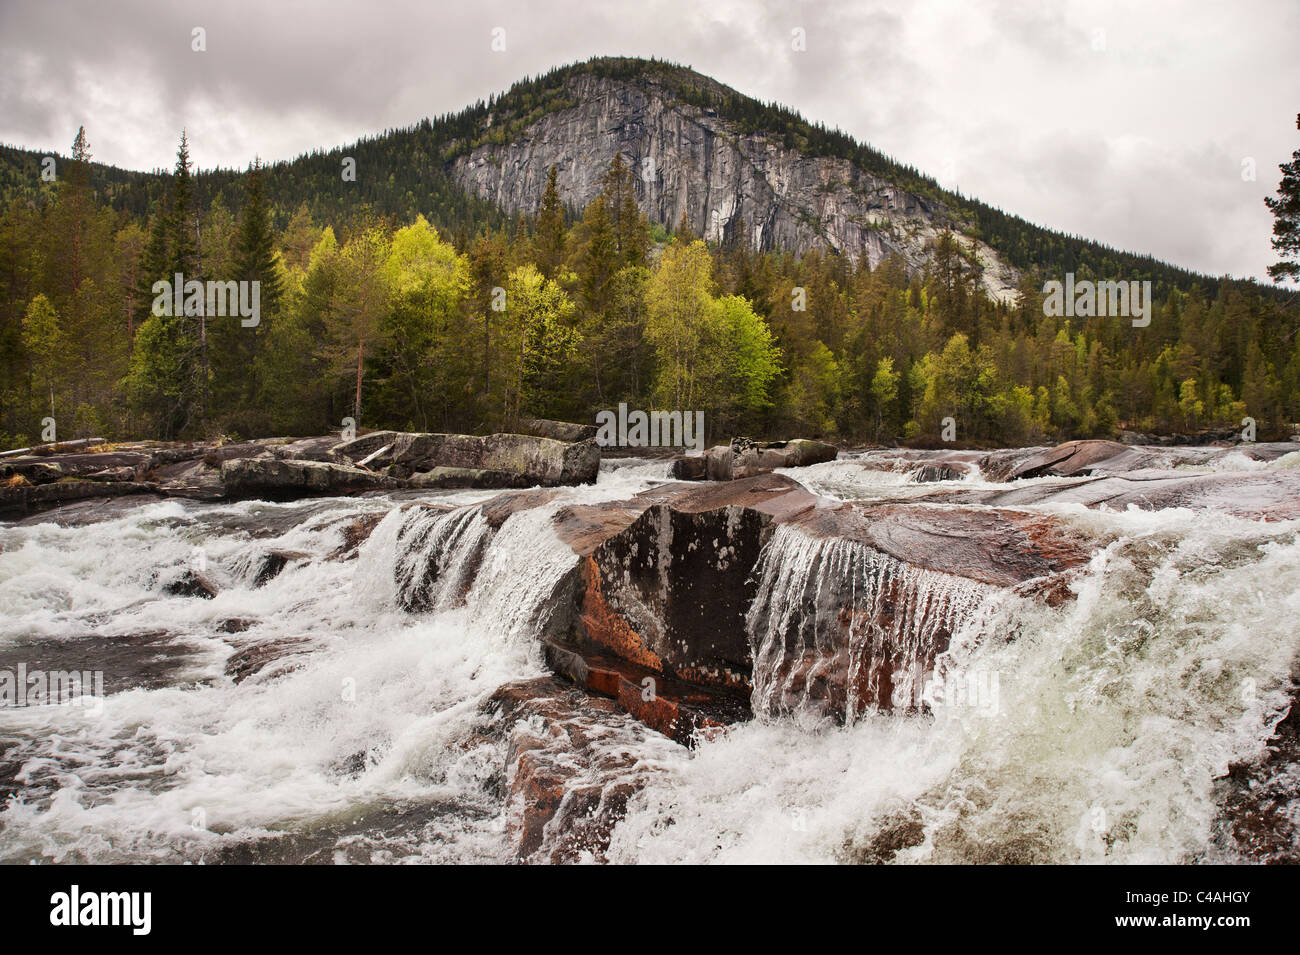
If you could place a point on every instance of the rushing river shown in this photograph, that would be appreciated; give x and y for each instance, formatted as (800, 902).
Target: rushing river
(1100, 728)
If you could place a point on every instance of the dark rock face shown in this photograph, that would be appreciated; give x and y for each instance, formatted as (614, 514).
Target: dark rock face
(272, 563)
(191, 584)
(671, 591)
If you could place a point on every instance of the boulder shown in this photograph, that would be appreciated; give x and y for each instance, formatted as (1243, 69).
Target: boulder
(933, 473)
(1073, 458)
(355, 532)
(256, 657)
(745, 458)
(525, 459)
(757, 583)
(191, 583)
(466, 478)
(690, 467)
(679, 710)
(360, 448)
(269, 565)
(192, 479)
(271, 478)
(21, 499)
(30, 471)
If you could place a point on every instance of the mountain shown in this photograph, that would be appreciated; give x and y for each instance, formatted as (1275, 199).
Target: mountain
(731, 167)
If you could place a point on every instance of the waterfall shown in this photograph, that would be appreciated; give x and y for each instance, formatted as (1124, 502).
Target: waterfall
(522, 590)
(438, 554)
(511, 579)
(837, 625)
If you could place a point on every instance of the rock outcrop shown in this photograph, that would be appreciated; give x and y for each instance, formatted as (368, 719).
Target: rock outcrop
(269, 478)
(1256, 495)
(496, 460)
(755, 589)
(745, 458)
(696, 166)
(572, 762)
(285, 469)
(558, 430)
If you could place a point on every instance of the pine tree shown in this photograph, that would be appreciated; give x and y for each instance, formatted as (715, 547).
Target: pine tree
(628, 224)
(182, 222)
(1286, 213)
(155, 260)
(552, 235)
(254, 253)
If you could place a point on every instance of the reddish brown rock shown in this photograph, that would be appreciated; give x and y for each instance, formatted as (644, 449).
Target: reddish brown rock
(686, 581)
(572, 763)
(355, 533)
(676, 708)
(253, 658)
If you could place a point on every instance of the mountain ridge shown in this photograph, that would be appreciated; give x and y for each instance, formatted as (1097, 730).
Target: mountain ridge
(436, 166)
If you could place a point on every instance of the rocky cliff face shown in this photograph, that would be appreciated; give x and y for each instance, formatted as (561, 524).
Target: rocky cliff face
(692, 163)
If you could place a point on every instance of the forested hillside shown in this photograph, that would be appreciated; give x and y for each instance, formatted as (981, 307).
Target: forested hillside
(401, 298)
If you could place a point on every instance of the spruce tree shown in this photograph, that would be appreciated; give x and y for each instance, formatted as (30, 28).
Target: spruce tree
(1286, 213)
(182, 238)
(254, 257)
(551, 232)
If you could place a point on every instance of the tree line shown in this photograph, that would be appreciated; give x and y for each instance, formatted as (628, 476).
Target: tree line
(395, 323)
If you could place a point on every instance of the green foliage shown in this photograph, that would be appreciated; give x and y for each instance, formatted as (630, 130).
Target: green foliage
(388, 289)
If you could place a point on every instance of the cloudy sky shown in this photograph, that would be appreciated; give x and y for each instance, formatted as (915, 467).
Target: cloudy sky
(1134, 124)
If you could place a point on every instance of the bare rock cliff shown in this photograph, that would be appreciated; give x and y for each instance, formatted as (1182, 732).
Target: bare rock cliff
(693, 163)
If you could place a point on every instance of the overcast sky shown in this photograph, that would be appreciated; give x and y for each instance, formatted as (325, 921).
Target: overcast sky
(1124, 122)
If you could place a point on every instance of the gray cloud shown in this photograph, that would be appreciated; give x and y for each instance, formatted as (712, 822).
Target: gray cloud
(1125, 123)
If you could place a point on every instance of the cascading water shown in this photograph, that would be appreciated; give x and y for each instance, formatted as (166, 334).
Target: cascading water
(1112, 721)
(1098, 729)
(438, 553)
(821, 599)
